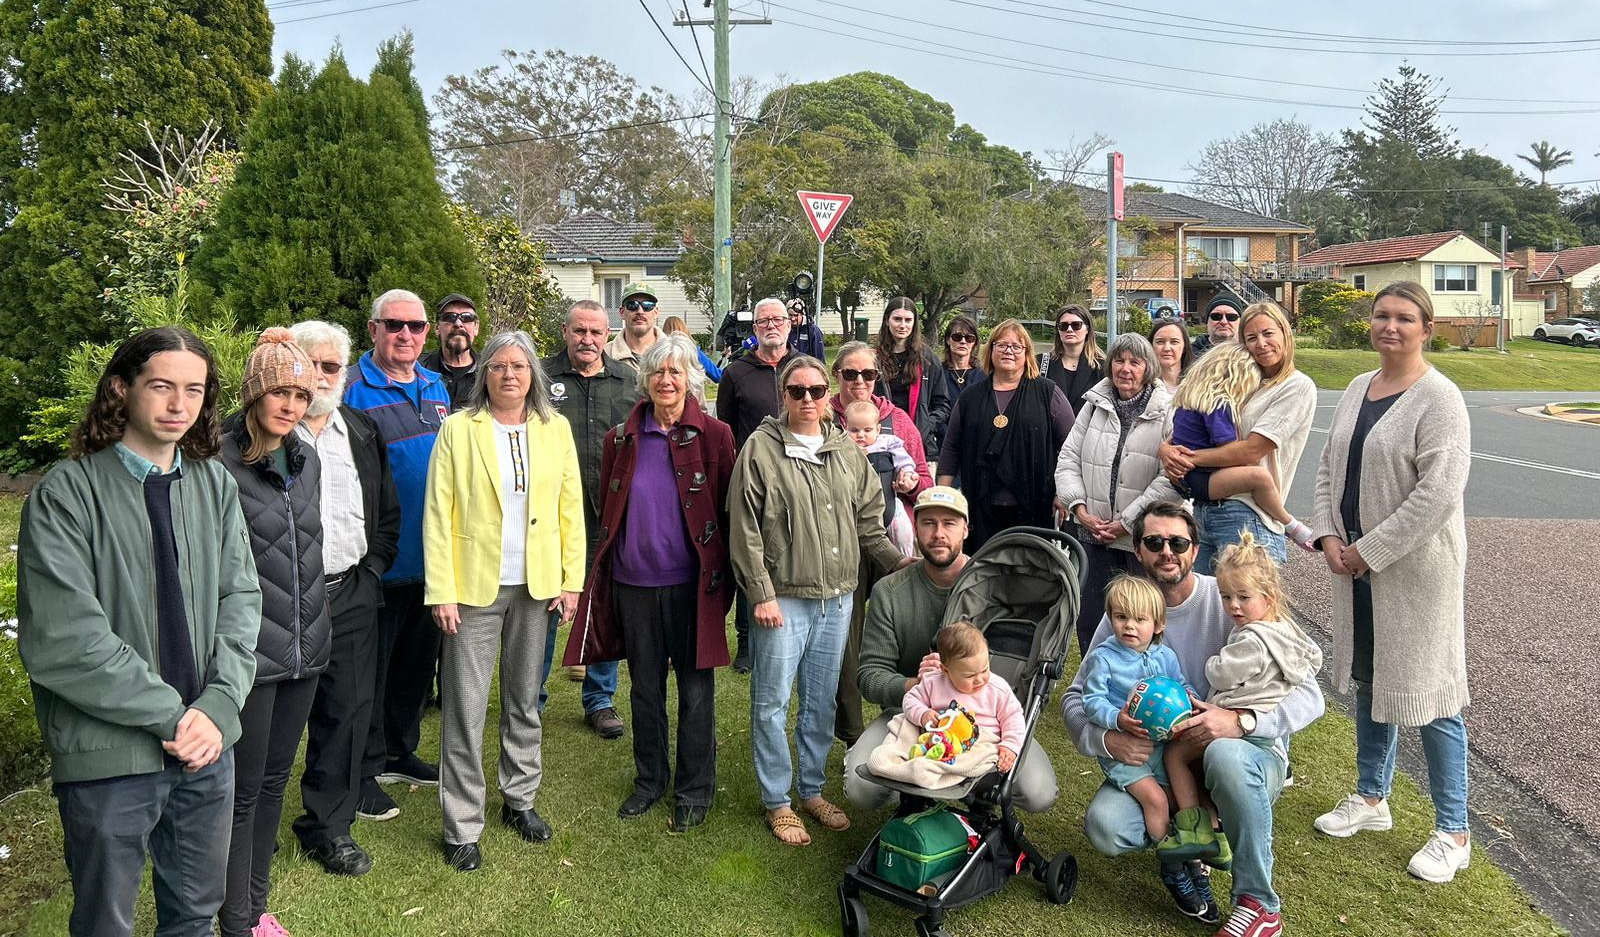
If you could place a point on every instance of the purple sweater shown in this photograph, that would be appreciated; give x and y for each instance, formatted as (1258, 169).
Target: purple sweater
(653, 548)
(1197, 430)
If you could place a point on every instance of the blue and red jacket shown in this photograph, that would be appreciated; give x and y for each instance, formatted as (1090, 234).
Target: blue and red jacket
(408, 418)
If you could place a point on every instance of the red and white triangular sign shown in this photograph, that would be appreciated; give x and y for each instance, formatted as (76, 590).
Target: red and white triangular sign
(823, 210)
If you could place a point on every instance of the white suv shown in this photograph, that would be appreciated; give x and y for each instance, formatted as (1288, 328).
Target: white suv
(1574, 331)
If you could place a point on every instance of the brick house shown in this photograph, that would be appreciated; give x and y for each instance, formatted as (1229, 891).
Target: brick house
(1557, 279)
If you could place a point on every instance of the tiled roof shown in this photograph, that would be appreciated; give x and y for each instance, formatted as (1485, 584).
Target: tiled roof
(601, 237)
(1561, 265)
(1133, 203)
(1386, 251)
(1184, 209)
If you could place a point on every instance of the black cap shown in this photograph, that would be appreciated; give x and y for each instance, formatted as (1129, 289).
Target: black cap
(455, 299)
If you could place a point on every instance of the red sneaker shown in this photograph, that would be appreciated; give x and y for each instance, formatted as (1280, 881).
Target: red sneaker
(1250, 919)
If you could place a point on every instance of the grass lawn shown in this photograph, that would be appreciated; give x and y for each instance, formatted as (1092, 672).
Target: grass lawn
(1529, 365)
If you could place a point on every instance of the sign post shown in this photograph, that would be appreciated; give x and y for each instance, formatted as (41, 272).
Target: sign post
(823, 210)
(1114, 211)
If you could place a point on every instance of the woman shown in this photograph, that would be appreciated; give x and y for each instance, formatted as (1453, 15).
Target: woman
(1170, 339)
(1073, 362)
(279, 489)
(659, 591)
(672, 325)
(503, 545)
(1273, 426)
(908, 373)
(856, 370)
(1003, 439)
(960, 354)
(804, 507)
(1390, 511)
(1108, 470)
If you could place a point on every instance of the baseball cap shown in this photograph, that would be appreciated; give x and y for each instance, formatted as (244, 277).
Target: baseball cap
(455, 299)
(637, 289)
(942, 496)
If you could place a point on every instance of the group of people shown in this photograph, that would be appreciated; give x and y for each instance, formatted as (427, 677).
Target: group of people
(359, 535)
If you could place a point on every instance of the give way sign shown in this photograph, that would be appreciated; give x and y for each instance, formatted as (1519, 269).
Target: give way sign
(824, 209)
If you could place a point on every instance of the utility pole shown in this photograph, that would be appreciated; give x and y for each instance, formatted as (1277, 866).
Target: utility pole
(722, 175)
(1506, 295)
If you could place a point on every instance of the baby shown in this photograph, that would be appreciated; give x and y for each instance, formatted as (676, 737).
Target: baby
(1134, 652)
(963, 676)
(887, 454)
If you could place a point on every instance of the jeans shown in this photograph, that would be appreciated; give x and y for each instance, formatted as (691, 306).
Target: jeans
(807, 649)
(1444, 744)
(1244, 780)
(1221, 523)
(599, 680)
(179, 820)
(660, 632)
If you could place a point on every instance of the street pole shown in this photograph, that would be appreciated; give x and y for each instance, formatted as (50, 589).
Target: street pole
(722, 225)
(1111, 249)
(816, 302)
(1505, 294)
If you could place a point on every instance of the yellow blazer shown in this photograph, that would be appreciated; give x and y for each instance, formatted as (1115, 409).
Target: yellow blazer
(462, 515)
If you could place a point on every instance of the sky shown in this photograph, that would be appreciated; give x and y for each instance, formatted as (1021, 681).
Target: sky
(1012, 87)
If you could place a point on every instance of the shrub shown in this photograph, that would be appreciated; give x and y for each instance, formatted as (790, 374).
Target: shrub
(1438, 343)
(1335, 315)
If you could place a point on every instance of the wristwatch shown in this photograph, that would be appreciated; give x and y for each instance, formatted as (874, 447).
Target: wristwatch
(1247, 720)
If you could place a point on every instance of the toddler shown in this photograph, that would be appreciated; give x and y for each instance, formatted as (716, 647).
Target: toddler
(887, 454)
(1133, 652)
(1204, 413)
(1266, 656)
(963, 676)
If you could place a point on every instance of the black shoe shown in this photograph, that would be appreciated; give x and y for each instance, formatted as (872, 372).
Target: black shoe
(686, 817)
(528, 824)
(341, 857)
(637, 805)
(1184, 894)
(606, 723)
(1200, 875)
(741, 658)
(374, 804)
(409, 770)
(463, 858)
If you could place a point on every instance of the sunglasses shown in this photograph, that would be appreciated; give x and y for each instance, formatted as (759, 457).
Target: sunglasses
(1180, 545)
(395, 326)
(852, 375)
(465, 318)
(961, 337)
(634, 305)
(799, 391)
(330, 368)
(1069, 325)
(1219, 316)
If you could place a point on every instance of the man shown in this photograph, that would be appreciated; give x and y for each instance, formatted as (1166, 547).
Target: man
(408, 402)
(138, 612)
(747, 395)
(639, 332)
(455, 361)
(1244, 779)
(360, 536)
(594, 392)
(1222, 323)
(904, 614)
(804, 336)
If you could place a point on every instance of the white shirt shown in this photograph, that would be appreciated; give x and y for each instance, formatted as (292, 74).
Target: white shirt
(1282, 414)
(344, 521)
(511, 444)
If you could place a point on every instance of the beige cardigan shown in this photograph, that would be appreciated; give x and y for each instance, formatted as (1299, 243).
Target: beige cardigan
(1413, 479)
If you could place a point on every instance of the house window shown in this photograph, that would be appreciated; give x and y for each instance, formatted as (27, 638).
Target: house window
(657, 270)
(1359, 281)
(1129, 245)
(1455, 278)
(611, 292)
(1549, 300)
(1214, 248)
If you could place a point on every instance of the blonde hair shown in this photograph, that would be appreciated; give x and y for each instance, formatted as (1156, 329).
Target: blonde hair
(960, 640)
(1224, 377)
(862, 406)
(1137, 597)
(672, 325)
(1247, 563)
(1030, 366)
(1412, 291)
(1274, 312)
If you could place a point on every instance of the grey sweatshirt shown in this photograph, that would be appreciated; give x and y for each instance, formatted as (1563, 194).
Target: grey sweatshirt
(1260, 664)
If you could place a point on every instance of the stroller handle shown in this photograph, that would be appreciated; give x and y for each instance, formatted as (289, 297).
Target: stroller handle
(1067, 542)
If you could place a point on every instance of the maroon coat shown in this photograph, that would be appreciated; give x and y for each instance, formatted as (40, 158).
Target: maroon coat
(702, 458)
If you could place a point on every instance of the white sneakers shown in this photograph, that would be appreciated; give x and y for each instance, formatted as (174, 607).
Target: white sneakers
(1437, 861)
(1353, 815)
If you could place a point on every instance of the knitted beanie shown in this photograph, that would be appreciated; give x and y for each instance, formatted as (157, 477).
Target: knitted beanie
(276, 362)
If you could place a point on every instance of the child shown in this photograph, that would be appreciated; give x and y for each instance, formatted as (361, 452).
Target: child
(963, 676)
(887, 454)
(1266, 656)
(1112, 668)
(1204, 413)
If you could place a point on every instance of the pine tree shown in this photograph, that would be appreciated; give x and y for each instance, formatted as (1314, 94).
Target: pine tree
(77, 78)
(1406, 111)
(336, 202)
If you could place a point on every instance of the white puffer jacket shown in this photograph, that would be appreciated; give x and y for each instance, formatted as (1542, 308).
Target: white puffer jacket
(1083, 471)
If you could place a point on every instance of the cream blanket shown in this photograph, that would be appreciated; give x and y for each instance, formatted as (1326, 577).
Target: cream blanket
(889, 759)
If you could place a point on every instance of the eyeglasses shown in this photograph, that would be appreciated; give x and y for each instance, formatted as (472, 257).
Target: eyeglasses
(394, 326)
(500, 367)
(1219, 316)
(1009, 348)
(1069, 325)
(634, 305)
(851, 375)
(961, 337)
(771, 322)
(799, 391)
(1180, 545)
(465, 318)
(330, 368)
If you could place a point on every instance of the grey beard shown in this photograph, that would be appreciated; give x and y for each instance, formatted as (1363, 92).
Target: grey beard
(323, 404)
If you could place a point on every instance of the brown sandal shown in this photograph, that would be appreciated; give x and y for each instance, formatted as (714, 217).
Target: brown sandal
(782, 823)
(827, 814)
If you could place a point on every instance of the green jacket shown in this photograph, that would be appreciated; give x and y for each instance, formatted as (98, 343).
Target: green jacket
(86, 600)
(800, 522)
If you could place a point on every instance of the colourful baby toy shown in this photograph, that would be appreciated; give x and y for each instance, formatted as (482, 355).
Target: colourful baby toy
(954, 733)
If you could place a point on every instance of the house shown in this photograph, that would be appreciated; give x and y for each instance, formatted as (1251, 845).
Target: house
(1557, 279)
(1462, 277)
(1178, 247)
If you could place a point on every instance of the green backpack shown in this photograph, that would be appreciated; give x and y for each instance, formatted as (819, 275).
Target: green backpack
(916, 848)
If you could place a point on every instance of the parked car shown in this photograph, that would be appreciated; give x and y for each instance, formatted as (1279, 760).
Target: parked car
(1574, 331)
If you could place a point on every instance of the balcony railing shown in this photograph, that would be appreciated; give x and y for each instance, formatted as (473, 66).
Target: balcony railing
(1269, 271)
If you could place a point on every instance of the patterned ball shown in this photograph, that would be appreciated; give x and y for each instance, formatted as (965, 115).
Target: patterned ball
(1159, 703)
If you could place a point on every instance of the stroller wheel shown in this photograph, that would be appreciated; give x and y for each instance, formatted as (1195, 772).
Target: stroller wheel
(852, 915)
(1061, 878)
(926, 928)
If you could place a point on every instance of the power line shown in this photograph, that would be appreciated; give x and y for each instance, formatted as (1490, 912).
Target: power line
(323, 16)
(675, 51)
(572, 134)
(697, 50)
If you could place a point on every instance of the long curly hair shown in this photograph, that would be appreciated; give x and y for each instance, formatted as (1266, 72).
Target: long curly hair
(1225, 376)
(107, 418)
